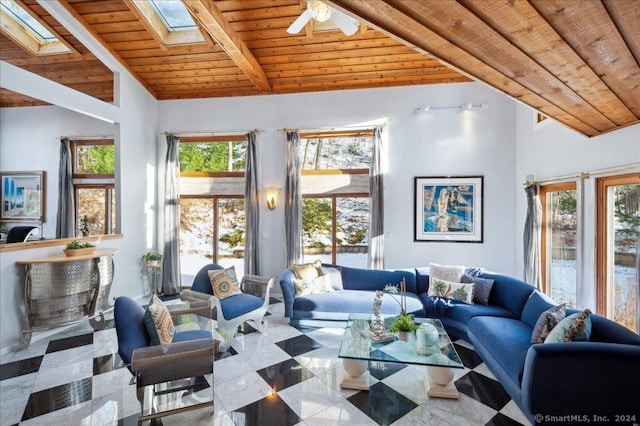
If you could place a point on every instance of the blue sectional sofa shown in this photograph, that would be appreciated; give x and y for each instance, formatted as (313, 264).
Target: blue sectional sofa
(599, 377)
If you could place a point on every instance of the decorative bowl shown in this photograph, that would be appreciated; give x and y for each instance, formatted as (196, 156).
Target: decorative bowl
(79, 252)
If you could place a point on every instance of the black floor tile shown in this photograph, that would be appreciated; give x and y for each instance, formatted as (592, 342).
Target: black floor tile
(57, 398)
(226, 354)
(284, 374)
(382, 370)
(70, 342)
(20, 368)
(246, 329)
(268, 411)
(299, 345)
(469, 357)
(383, 404)
(104, 364)
(483, 389)
(501, 420)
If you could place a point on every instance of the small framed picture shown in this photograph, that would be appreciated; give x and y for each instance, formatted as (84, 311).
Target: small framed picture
(23, 196)
(448, 209)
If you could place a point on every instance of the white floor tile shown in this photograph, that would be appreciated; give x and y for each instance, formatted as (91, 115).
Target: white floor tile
(14, 395)
(310, 397)
(242, 391)
(51, 377)
(343, 413)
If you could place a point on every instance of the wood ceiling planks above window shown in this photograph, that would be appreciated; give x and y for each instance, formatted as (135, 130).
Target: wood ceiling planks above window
(569, 60)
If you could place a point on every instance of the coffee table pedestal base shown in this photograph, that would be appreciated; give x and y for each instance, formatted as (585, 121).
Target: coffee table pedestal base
(356, 374)
(438, 383)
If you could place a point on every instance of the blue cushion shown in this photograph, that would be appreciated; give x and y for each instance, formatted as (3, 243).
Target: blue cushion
(183, 336)
(506, 339)
(536, 305)
(352, 301)
(130, 327)
(607, 331)
(239, 304)
(376, 279)
(508, 292)
(463, 312)
(201, 282)
(422, 279)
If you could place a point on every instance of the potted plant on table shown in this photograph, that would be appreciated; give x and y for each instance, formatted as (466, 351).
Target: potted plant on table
(403, 324)
(76, 248)
(152, 258)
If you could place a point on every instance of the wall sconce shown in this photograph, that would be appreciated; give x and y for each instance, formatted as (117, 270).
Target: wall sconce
(272, 197)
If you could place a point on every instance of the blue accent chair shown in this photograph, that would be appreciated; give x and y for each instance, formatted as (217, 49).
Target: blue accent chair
(229, 312)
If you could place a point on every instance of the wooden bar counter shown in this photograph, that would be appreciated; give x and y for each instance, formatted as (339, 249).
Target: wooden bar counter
(62, 290)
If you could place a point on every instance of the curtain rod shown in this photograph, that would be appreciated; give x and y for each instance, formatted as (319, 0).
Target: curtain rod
(86, 138)
(331, 129)
(631, 168)
(218, 133)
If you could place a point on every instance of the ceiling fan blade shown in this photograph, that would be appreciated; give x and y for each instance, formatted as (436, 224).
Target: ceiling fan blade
(344, 22)
(299, 23)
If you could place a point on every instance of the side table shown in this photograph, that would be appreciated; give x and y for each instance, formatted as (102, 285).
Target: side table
(154, 275)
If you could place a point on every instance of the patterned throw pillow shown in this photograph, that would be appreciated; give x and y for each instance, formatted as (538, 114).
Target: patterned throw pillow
(574, 328)
(307, 270)
(158, 322)
(445, 272)
(481, 290)
(547, 321)
(224, 282)
(334, 276)
(451, 290)
(312, 286)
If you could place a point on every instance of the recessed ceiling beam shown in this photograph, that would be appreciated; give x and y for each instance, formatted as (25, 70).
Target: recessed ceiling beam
(216, 25)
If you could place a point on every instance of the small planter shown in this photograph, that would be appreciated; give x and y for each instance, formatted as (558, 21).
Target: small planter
(153, 263)
(79, 251)
(405, 336)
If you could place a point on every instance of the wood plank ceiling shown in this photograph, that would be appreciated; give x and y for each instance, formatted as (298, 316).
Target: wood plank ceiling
(574, 61)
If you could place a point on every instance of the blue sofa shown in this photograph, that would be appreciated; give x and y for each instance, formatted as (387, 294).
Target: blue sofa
(599, 377)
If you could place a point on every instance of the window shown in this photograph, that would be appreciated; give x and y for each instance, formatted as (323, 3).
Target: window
(168, 21)
(174, 14)
(212, 208)
(559, 235)
(30, 32)
(335, 190)
(93, 164)
(618, 225)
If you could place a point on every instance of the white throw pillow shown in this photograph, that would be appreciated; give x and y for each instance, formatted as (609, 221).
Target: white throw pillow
(451, 290)
(334, 277)
(446, 272)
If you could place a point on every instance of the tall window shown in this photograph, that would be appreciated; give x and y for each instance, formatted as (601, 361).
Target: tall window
(335, 191)
(212, 211)
(618, 225)
(94, 186)
(559, 235)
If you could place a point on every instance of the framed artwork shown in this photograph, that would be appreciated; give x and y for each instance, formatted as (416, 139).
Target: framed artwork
(448, 209)
(23, 196)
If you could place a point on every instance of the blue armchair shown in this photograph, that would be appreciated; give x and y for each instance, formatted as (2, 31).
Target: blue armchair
(231, 311)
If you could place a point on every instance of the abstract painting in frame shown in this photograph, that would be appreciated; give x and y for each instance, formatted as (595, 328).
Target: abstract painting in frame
(448, 209)
(22, 196)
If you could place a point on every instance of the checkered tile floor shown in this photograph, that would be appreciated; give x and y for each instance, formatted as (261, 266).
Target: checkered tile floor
(285, 376)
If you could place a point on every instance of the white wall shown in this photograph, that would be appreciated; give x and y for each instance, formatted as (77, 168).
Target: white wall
(438, 143)
(549, 150)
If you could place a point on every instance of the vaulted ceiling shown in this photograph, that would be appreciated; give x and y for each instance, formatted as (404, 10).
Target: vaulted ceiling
(574, 61)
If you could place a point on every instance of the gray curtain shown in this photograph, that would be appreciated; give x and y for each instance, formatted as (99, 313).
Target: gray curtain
(252, 210)
(376, 210)
(532, 236)
(66, 220)
(293, 201)
(171, 260)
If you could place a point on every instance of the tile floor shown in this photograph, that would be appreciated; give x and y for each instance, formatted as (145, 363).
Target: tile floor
(286, 376)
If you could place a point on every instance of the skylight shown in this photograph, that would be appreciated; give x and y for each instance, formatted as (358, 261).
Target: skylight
(27, 21)
(174, 14)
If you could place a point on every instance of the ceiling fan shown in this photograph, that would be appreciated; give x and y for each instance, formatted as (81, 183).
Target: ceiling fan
(322, 12)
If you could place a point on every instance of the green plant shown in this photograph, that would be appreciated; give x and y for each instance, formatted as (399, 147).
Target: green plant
(404, 322)
(151, 255)
(75, 244)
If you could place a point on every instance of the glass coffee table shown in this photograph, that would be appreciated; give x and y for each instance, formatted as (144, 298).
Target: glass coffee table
(357, 350)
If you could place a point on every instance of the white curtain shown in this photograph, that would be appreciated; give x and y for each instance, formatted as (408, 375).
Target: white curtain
(171, 259)
(376, 210)
(66, 219)
(252, 210)
(532, 236)
(293, 201)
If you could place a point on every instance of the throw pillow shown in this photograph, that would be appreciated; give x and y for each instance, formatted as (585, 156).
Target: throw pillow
(451, 290)
(445, 272)
(312, 286)
(574, 328)
(158, 321)
(224, 282)
(307, 270)
(481, 289)
(334, 277)
(546, 322)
